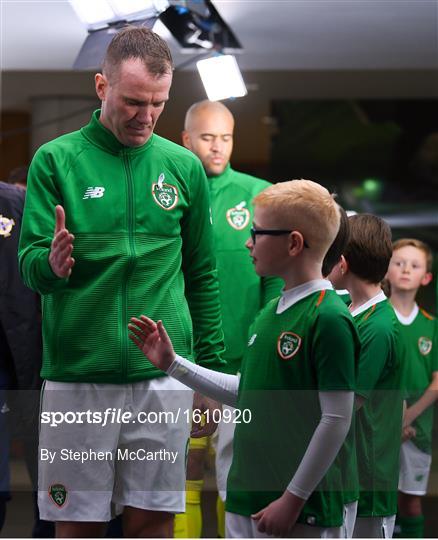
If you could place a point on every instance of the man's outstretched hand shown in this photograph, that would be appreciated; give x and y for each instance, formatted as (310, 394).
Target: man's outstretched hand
(152, 339)
(60, 258)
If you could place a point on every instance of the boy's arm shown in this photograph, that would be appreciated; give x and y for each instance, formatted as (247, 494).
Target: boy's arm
(426, 400)
(336, 410)
(214, 384)
(376, 345)
(153, 341)
(336, 413)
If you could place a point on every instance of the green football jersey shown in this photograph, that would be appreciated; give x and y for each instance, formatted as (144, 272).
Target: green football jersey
(420, 341)
(242, 292)
(291, 356)
(379, 420)
(143, 244)
(347, 462)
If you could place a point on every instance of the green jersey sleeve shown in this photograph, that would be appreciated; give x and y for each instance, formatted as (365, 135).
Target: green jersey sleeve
(200, 275)
(376, 348)
(334, 349)
(42, 195)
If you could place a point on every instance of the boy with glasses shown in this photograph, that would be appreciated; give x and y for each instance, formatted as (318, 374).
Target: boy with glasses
(297, 379)
(209, 134)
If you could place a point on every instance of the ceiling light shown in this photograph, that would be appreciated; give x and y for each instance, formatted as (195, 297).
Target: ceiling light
(129, 9)
(221, 77)
(96, 14)
(104, 18)
(93, 14)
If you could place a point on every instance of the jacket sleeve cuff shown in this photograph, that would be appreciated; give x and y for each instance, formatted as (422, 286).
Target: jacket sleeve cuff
(49, 280)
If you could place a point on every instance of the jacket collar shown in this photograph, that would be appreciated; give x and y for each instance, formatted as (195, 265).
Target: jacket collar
(219, 181)
(102, 137)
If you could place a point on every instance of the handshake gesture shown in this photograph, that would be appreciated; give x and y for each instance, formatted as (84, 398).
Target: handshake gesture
(153, 341)
(60, 258)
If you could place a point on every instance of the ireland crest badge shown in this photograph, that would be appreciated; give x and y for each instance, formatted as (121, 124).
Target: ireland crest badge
(424, 345)
(238, 217)
(58, 494)
(165, 195)
(288, 344)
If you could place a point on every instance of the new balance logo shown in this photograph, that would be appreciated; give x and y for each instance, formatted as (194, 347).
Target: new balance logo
(94, 193)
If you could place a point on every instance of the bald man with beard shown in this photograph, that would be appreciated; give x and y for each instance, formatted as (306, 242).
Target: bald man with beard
(208, 133)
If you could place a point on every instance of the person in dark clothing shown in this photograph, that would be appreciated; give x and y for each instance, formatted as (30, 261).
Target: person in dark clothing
(20, 351)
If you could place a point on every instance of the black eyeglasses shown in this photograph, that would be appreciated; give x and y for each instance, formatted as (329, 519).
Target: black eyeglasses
(271, 232)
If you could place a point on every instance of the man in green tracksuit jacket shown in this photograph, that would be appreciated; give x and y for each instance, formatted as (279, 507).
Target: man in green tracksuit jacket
(132, 235)
(208, 132)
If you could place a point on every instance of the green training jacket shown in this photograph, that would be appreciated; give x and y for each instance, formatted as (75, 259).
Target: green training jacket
(242, 292)
(143, 244)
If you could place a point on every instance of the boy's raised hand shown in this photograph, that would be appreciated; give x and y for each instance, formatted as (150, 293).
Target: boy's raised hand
(152, 339)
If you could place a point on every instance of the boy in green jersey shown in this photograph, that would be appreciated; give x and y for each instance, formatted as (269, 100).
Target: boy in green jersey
(378, 388)
(208, 133)
(410, 269)
(297, 378)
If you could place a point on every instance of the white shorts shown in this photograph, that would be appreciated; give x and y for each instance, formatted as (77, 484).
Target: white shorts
(136, 457)
(374, 527)
(224, 452)
(414, 469)
(237, 526)
(350, 513)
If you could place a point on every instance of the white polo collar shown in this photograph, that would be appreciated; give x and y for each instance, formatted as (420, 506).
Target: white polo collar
(407, 319)
(341, 292)
(292, 296)
(380, 297)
